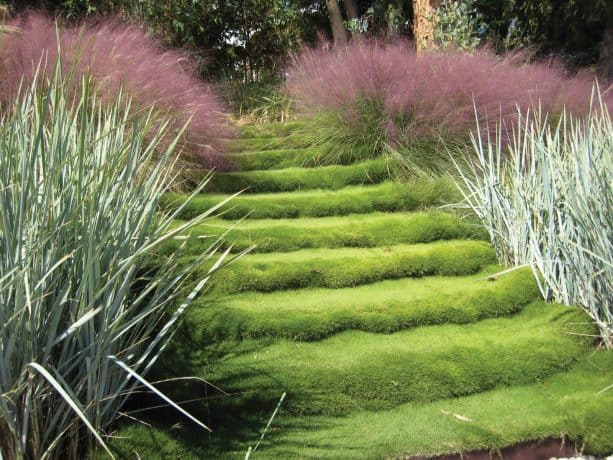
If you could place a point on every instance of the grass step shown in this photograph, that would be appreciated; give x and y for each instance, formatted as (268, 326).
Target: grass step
(284, 141)
(305, 157)
(346, 267)
(271, 129)
(284, 180)
(384, 306)
(355, 230)
(356, 370)
(567, 403)
(356, 199)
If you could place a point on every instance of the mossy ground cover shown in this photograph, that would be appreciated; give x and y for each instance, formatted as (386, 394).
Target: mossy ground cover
(354, 370)
(346, 267)
(385, 306)
(388, 196)
(272, 142)
(382, 318)
(570, 402)
(355, 230)
(331, 177)
(299, 157)
(271, 130)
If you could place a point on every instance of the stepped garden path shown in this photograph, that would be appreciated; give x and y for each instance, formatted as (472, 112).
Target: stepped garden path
(376, 312)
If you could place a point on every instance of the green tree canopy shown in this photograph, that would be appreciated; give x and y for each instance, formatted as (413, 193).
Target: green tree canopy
(249, 39)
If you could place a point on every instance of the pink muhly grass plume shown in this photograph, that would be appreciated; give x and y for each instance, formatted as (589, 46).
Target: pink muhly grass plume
(117, 55)
(431, 93)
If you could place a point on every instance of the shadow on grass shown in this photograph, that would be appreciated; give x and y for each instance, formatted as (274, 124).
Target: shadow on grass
(237, 423)
(237, 420)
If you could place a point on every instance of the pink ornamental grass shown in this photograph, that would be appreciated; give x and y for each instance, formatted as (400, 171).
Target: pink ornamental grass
(431, 93)
(117, 55)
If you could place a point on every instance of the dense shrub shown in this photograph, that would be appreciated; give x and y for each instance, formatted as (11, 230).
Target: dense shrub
(457, 25)
(118, 56)
(79, 310)
(389, 94)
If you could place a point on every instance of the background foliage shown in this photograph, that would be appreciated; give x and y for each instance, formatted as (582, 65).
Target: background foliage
(573, 28)
(245, 39)
(249, 39)
(458, 25)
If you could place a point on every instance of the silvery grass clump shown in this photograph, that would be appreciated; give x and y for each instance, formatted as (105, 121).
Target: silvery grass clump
(546, 198)
(81, 319)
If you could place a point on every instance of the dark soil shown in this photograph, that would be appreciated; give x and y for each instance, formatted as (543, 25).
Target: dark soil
(530, 450)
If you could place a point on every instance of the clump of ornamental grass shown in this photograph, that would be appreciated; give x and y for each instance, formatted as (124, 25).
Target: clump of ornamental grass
(387, 95)
(83, 316)
(258, 103)
(116, 55)
(546, 199)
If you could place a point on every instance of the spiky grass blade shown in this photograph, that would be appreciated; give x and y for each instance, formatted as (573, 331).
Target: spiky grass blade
(80, 185)
(546, 199)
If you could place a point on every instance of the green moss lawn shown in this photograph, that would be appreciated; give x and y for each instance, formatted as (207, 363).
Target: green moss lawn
(380, 314)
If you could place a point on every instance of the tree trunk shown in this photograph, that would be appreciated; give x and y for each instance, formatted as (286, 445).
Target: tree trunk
(352, 13)
(336, 21)
(350, 9)
(605, 63)
(423, 26)
(390, 17)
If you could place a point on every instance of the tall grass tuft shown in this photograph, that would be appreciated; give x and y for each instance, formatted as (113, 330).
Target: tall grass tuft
(81, 319)
(389, 95)
(257, 103)
(117, 56)
(546, 199)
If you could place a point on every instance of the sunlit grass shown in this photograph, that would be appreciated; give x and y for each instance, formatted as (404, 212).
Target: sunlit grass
(331, 177)
(569, 403)
(346, 267)
(383, 306)
(388, 196)
(354, 230)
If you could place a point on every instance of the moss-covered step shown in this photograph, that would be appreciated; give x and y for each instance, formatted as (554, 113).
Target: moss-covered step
(292, 140)
(283, 180)
(346, 267)
(358, 199)
(356, 370)
(570, 403)
(385, 306)
(303, 157)
(355, 230)
(271, 129)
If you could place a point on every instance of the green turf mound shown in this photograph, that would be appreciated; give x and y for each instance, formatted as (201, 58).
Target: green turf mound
(283, 180)
(560, 404)
(271, 129)
(384, 197)
(359, 370)
(382, 319)
(386, 306)
(304, 157)
(356, 230)
(272, 142)
(346, 267)
(499, 418)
